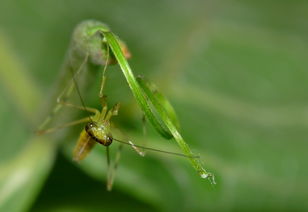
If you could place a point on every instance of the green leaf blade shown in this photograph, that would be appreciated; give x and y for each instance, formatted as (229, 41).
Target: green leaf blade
(159, 120)
(134, 86)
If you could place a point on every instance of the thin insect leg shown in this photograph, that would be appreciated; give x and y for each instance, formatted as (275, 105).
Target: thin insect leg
(50, 117)
(113, 111)
(104, 107)
(70, 86)
(141, 153)
(102, 97)
(89, 109)
(113, 169)
(108, 156)
(109, 185)
(63, 95)
(101, 94)
(83, 120)
(136, 147)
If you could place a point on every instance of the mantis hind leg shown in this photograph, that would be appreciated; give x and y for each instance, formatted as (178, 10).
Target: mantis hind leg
(69, 124)
(63, 95)
(41, 130)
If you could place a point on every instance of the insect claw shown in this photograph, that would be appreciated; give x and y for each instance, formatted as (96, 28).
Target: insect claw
(115, 109)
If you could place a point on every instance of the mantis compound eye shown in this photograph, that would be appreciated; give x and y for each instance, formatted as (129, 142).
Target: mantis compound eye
(109, 140)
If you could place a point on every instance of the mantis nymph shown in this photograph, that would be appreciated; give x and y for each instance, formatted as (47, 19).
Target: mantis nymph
(98, 130)
(94, 45)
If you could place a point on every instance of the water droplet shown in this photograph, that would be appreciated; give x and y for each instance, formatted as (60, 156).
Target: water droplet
(209, 176)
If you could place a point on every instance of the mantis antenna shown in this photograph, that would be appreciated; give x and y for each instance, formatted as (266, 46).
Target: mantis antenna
(157, 150)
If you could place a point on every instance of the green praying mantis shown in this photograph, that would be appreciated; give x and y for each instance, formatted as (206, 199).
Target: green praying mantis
(94, 45)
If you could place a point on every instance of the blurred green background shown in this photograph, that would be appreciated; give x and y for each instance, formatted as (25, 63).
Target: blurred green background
(235, 71)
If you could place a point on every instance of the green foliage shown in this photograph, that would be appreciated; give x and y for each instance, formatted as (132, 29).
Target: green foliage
(235, 72)
(25, 162)
(153, 106)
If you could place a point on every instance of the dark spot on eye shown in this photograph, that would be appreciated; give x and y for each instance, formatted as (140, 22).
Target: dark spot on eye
(89, 126)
